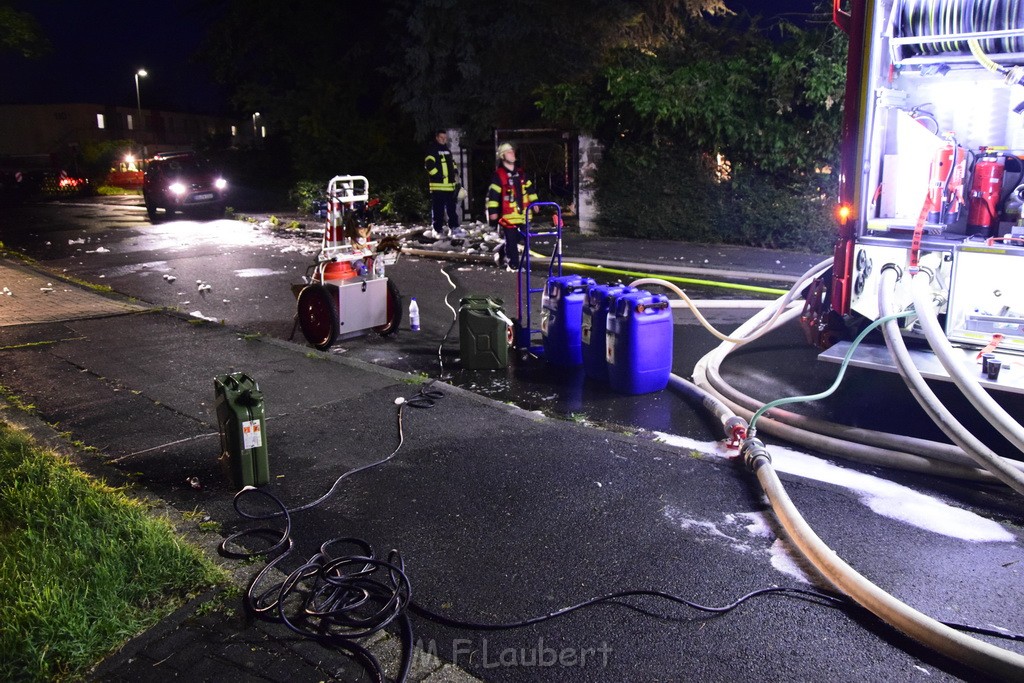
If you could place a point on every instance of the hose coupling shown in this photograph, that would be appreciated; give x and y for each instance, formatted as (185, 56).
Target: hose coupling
(895, 268)
(736, 430)
(925, 271)
(754, 454)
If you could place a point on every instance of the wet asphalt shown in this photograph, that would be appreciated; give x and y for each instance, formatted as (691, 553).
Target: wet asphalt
(499, 512)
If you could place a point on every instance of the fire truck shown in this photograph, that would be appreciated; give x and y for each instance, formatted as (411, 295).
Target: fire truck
(932, 171)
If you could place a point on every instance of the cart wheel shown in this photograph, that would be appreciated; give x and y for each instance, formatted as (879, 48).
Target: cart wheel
(394, 312)
(318, 314)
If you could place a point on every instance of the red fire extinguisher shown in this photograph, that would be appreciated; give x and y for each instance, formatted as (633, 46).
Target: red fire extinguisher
(986, 187)
(946, 185)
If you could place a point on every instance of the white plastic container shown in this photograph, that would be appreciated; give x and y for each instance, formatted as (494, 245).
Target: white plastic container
(414, 315)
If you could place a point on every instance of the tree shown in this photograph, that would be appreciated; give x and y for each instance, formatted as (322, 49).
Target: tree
(20, 33)
(724, 89)
(477, 64)
(723, 131)
(361, 85)
(312, 71)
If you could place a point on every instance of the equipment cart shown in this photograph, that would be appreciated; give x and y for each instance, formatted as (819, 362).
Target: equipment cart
(527, 337)
(346, 292)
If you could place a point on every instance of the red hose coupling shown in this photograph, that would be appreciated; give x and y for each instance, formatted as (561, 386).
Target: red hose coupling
(737, 430)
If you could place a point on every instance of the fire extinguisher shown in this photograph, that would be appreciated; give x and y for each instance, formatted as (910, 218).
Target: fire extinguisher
(946, 185)
(986, 187)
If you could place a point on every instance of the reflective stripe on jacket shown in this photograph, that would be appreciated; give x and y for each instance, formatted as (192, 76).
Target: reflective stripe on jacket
(508, 196)
(442, 169)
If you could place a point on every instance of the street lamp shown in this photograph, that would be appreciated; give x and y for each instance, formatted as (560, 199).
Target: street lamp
(138, 101)
(255, 115)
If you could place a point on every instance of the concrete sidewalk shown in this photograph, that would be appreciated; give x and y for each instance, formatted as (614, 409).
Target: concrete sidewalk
(500, 514)
(28, 296)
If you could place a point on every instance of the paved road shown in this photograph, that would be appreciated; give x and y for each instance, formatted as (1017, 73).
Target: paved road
(522, 515)
(250, 270)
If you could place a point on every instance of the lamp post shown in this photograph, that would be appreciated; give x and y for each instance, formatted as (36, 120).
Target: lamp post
(138, 102)
(255, 135)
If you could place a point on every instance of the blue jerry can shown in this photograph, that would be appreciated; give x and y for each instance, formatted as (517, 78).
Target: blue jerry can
(639, 343)
(562, 319)
(598, 301)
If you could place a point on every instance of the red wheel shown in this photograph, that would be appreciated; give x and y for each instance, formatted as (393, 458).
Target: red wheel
(318, 314)
(394, 312)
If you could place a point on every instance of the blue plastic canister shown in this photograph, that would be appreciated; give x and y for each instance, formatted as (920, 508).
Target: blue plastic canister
(562, 318)
(639, 343)
(595, 321)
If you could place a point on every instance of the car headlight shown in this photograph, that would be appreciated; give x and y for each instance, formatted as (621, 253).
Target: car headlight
(220, 183)
(177, 188)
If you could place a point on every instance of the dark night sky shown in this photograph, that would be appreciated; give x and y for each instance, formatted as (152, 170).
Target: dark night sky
(99, 45)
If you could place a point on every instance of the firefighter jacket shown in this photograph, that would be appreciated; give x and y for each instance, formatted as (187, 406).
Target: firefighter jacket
(509, 195)
(442, 169)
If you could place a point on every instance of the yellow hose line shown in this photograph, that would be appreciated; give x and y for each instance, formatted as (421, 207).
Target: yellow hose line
(672, 278)
(983, 58)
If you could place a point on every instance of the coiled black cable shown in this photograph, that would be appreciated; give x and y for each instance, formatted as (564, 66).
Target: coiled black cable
(337, 597)
(333, 597)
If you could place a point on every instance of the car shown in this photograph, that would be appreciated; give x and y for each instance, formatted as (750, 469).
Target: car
(183, 182)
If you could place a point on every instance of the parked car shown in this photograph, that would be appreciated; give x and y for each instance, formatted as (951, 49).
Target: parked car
(183, 182)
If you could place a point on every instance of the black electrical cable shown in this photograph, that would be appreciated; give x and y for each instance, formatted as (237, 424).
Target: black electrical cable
(345, 602)
(332, 598)
(617, 597)
(345, 592)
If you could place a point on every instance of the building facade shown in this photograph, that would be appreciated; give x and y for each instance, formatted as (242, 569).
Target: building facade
(56, 132)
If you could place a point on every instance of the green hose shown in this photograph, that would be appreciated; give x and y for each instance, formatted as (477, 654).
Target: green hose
(839, 378)
(684, 280)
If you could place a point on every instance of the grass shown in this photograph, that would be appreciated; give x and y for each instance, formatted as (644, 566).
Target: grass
(111, 190)
(83, 567)
(16, 401)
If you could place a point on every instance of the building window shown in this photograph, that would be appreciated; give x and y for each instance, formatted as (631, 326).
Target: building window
(100, 121)
(131, 122)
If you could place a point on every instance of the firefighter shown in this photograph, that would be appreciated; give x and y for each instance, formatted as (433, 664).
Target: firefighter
(508, 198)
(443, 175)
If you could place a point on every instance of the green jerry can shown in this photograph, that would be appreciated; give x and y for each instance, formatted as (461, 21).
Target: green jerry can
(484, 333)
(243, 437)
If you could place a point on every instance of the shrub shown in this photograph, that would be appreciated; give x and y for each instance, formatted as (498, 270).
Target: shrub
(665, 191)
(404, 202)
(306, 193)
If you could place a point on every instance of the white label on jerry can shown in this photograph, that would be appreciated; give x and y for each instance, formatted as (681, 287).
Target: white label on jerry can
(585, 328)
(609, 348)
(252, 436)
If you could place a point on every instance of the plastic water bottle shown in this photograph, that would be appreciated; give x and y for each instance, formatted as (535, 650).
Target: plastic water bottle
(414, 315)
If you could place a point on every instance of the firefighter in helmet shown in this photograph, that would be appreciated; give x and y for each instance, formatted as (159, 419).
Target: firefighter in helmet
(508, 199)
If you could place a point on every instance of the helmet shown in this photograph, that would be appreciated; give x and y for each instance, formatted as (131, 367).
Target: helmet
(502, 148)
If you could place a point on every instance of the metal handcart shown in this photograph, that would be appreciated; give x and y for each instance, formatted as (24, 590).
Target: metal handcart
(527, 338)
(345, 292)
